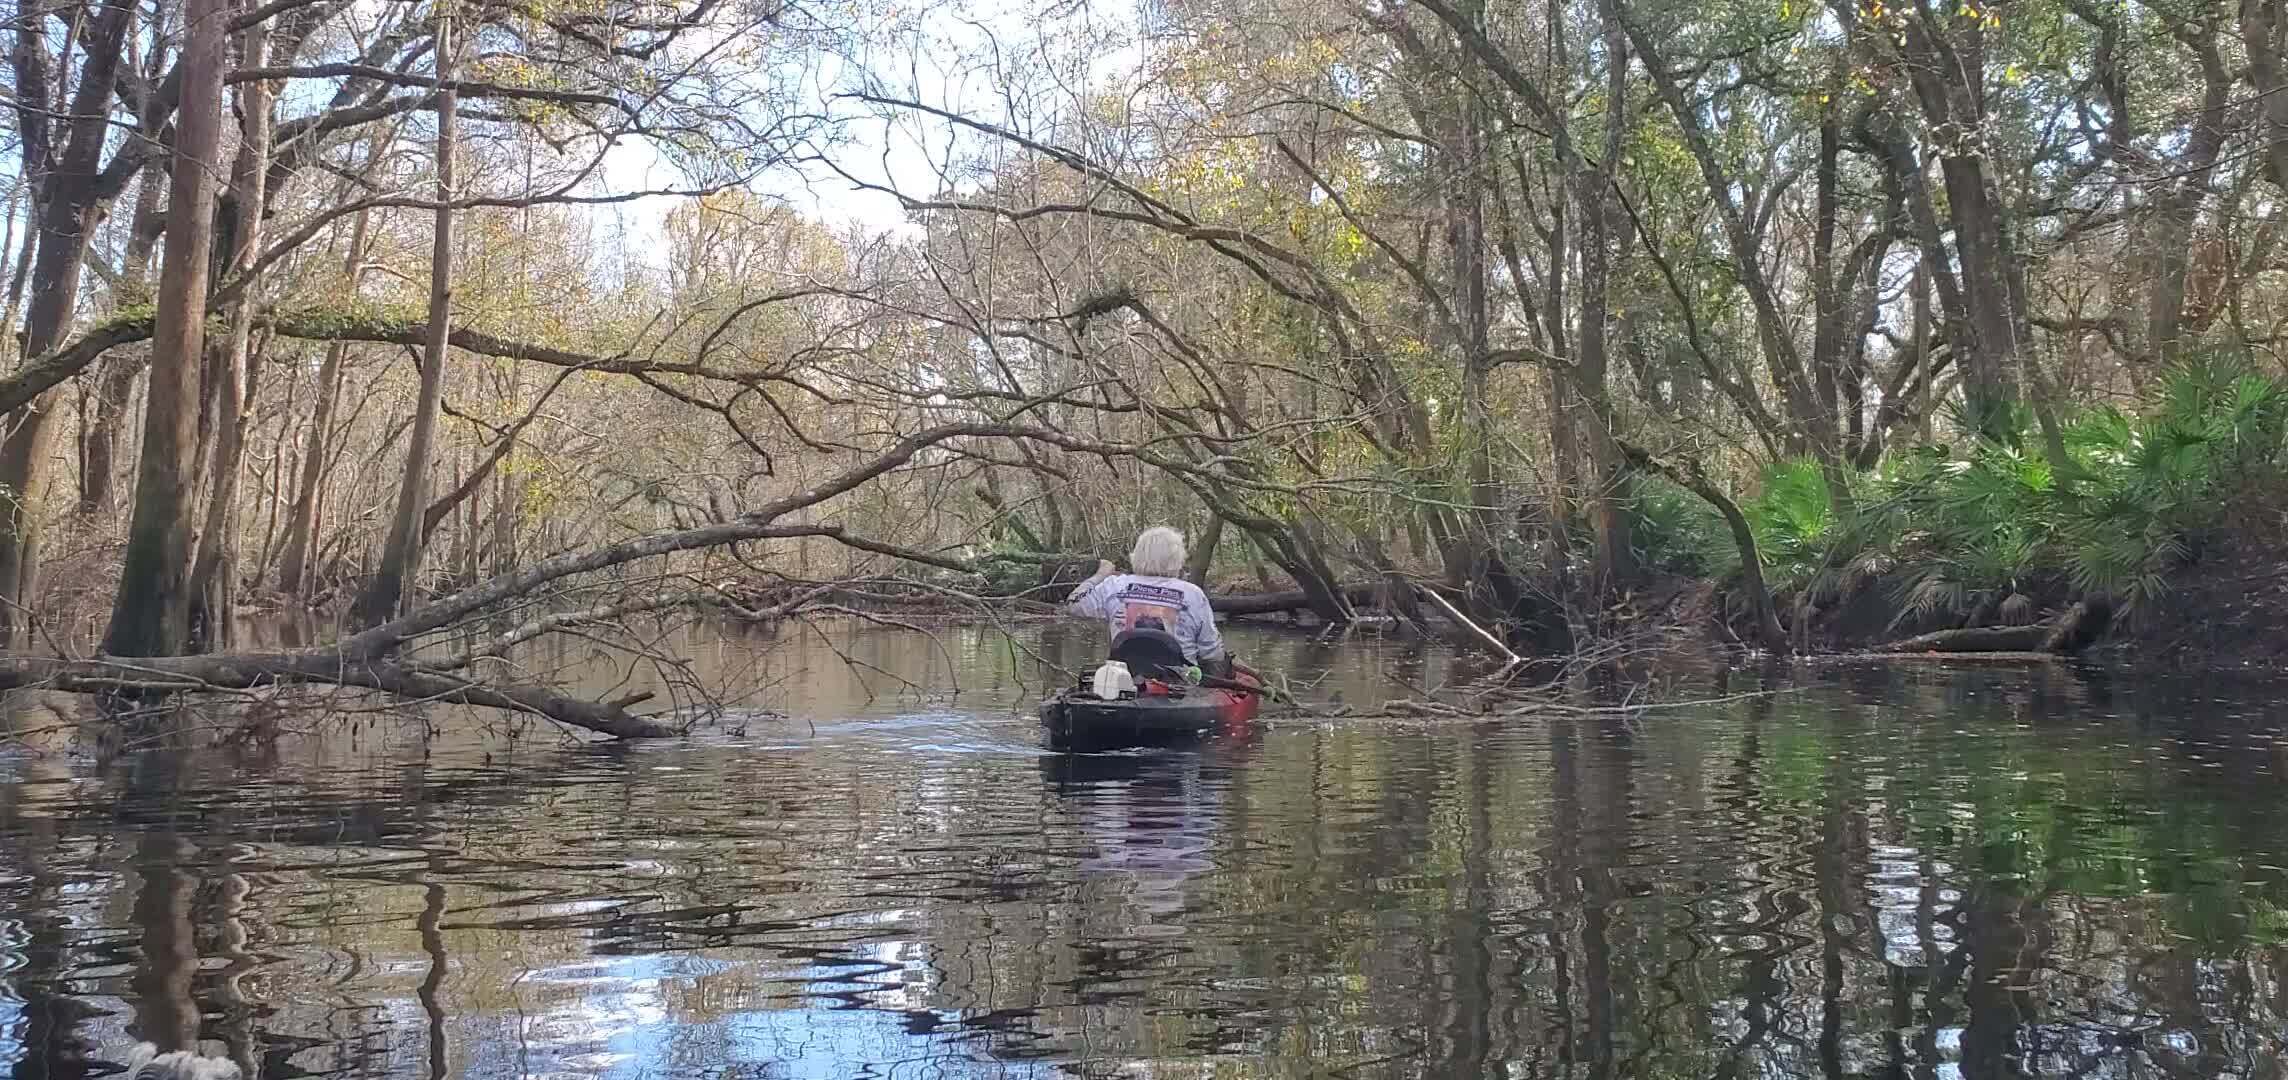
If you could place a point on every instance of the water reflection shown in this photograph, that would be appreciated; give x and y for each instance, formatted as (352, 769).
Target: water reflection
(1899, 872)
(1149, 820)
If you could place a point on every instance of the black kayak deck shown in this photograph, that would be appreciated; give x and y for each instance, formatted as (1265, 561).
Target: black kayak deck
(1077, 722)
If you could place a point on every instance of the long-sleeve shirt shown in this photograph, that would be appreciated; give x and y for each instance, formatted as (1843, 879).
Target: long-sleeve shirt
(1125, 601)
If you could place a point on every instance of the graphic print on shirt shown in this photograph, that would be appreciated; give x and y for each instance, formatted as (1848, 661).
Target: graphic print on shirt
(1153, 606)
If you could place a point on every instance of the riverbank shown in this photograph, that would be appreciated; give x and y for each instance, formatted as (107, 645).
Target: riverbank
(2229, 610)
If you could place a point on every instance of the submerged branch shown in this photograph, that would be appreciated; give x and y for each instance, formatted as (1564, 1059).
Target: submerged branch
(244, 671)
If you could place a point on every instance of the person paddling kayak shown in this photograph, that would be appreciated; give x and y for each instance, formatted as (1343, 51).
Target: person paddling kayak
(1154, 596)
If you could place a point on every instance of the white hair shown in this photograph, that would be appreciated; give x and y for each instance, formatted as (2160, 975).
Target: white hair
(1159, 552)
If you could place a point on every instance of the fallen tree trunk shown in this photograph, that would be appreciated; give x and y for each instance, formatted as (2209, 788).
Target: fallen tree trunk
(1974, 639)
(2075, 629)
(1291, 600)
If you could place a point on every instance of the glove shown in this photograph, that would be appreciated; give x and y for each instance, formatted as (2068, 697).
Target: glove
(1192, 674)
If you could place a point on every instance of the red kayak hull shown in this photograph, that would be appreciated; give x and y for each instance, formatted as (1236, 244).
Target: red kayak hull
(1239, 709)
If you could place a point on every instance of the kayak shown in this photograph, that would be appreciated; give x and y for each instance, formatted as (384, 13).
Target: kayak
(1158, 713)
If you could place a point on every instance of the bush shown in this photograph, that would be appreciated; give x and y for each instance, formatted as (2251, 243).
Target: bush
(1969, 530)
(1795, 522)
(1997, 521)
(2156, 485)
(1677, 532)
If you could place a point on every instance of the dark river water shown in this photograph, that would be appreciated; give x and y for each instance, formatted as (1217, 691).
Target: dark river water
(1908, 871)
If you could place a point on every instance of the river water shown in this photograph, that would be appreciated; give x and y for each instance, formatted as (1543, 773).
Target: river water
(1915, 871)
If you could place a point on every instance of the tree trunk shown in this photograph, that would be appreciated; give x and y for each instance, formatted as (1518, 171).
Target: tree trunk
(1692, 478)
(1608, 514)
(214, 575)
(401, 556)
(1007, 522)
(508, 498)
(272, 482)
(101, 441)
(1947, 73)
(1203, 551)
(1321, 593)
(1827, 298)
(69, 208)
(1466, 244)
(294, 567)
(2070, 632)
(1560, 399)
(471, 505)
(8, 244)
(2169, 235)
(1836, 389)
(2260, 34)
(116, 384)
(1989, 387)
(31, 241)
(1922, 346)
(1053, 509)
(151, 614)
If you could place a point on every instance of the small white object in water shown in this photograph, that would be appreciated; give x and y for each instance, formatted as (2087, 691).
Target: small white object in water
(145, 1062)
(1113, 679)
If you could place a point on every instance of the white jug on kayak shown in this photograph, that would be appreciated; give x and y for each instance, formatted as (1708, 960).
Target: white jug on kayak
(1113, 679)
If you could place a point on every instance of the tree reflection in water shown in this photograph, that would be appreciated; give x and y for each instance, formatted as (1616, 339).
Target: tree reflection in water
(1909, 872)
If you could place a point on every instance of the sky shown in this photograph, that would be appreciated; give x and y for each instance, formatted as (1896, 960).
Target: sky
(978, 57)
(981, 57)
